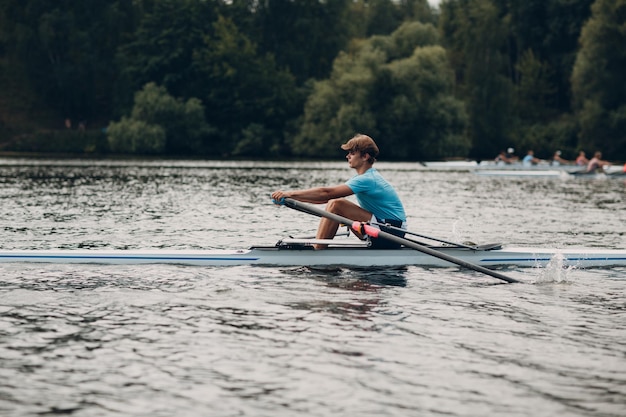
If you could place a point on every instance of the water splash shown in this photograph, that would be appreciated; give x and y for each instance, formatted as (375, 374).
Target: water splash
(457, 229)
(556, 271)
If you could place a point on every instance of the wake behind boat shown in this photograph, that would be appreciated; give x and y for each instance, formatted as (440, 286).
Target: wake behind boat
(341, 252)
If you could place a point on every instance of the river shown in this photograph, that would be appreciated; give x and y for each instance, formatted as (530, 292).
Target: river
(155, 340)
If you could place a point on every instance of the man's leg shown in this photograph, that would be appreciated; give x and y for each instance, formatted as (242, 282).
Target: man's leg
(328, 228)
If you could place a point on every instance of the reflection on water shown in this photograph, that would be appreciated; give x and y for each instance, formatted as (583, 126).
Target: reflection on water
(187, 341)
(358, 279)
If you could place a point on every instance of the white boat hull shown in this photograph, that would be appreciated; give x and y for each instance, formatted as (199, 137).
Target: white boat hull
(334, 256)
(547, 173)
(523, 173)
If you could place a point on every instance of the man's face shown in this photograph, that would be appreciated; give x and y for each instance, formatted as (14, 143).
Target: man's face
(356, 158)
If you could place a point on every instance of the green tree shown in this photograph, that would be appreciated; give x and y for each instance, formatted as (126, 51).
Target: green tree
(382, 17)
(240, 88)
(191, 49)
(476, 35)
(397, 88)
(66, 50)
(549, 29)
(599, 80)
(303, 36)
(172, 125)
(161, 50)
(513, 62)
(130, 136)
(534, 88)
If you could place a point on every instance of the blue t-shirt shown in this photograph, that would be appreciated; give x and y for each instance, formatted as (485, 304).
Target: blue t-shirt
(377, 196)
(528, 160)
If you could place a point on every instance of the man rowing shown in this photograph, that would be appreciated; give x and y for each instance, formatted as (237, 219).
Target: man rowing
(379, 202)
(507, 157)
(582, 160)
(597, 164)
(530, 159)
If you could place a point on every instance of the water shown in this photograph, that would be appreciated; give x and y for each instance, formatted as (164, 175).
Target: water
(94, 340)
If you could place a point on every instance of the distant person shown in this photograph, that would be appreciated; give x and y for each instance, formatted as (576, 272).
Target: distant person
(582, 160)
(597, 164)
(530, 159)
(557, 160)
(506, 157)
(510, 154)
(501, 158)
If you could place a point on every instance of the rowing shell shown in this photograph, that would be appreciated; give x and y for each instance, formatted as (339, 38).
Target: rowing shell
(548, 174)
(298, 253)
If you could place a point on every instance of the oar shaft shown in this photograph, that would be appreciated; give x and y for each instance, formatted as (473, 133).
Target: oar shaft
(311, 209)
(461, 245)
(374, 232)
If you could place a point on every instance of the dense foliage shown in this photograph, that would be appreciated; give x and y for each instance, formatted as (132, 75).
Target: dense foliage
(397, 88)
(159, 123)
(297, 77)
(599, 79)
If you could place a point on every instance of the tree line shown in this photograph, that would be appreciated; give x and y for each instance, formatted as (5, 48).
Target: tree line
(296, 78)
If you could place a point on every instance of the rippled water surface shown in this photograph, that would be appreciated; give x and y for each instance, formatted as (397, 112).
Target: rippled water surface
(154, 340)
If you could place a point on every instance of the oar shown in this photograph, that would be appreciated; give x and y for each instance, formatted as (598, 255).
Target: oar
(377, 233)
(399, 229)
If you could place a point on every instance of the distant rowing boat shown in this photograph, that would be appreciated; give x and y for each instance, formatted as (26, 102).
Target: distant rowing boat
(522, 173)
(542, 169)
(548, 174)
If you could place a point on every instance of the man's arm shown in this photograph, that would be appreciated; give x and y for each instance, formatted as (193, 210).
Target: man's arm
(318, 195)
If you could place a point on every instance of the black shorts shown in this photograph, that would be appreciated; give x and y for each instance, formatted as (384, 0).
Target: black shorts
(382, 243)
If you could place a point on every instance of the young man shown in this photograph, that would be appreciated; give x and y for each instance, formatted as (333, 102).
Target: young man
(597, 164)
(557, 160)
(378, 200)
(530, 159)
(582, 160)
